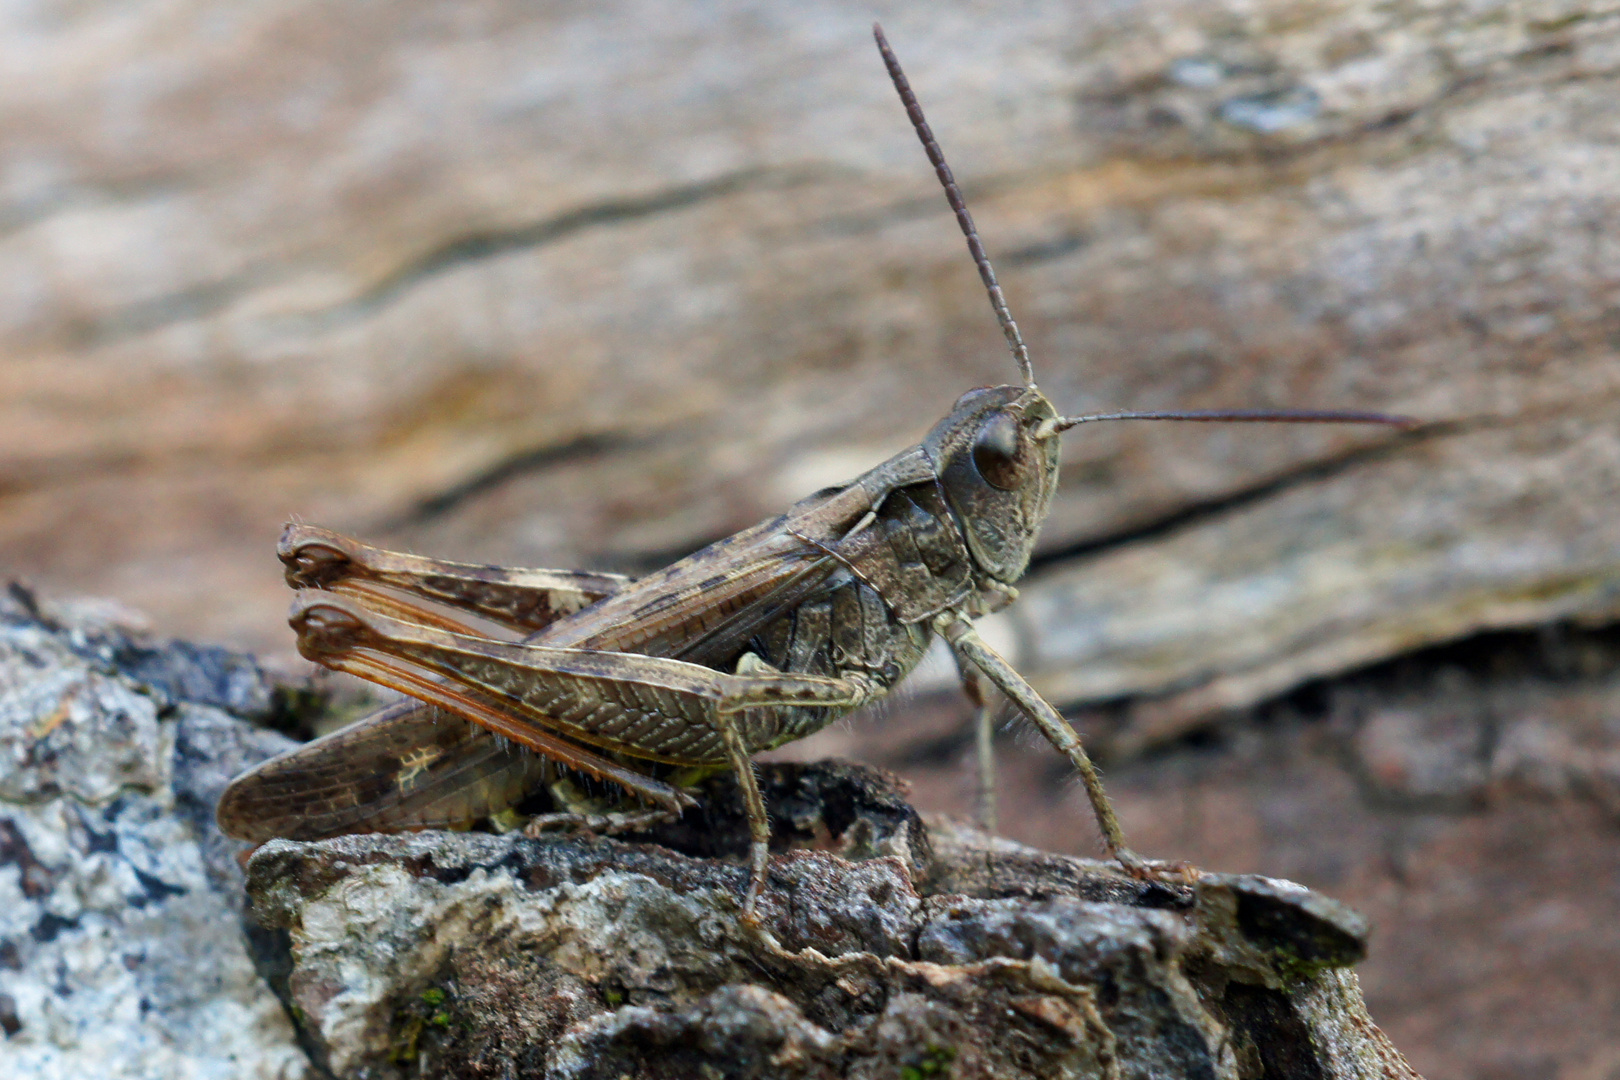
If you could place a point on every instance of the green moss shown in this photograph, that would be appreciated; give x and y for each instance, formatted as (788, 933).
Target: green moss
(416, 1018)
(507, 820)
(1294, 968)
(404, 1048)
(934, 1062)
(614, 998)
(693, 775)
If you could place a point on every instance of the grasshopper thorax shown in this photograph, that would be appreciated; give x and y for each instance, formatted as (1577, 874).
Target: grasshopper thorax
(998, 467)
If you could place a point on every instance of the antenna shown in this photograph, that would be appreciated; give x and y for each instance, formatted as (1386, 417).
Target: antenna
(1239, 416)
(953, 195)
(1009, 328)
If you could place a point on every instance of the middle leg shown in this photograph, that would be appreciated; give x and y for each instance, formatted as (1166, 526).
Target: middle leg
(985, 707)
(609, 824)
(967, 642)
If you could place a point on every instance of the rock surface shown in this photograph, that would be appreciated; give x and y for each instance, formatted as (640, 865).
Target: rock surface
(594, 284)
(121, 951)
(445, 955)
(887, 947)
(1463, 798)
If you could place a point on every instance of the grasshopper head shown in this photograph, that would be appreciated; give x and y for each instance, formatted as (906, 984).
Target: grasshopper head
(996, 454)
(998, 465)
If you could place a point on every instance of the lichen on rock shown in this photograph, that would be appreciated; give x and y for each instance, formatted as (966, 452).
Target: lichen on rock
(966, 956)
(121, 951)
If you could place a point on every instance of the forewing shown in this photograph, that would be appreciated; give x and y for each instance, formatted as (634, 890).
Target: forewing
(704, 608)
(409, 766)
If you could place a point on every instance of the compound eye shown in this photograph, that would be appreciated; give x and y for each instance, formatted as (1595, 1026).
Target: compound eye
(995, 451)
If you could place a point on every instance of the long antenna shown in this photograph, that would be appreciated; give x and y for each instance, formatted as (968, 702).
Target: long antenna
(1241, 416)
(953, 195)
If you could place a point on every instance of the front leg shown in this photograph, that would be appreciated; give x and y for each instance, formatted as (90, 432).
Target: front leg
(968, 644)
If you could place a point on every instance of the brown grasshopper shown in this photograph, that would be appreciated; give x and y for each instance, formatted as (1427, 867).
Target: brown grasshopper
(755, 641)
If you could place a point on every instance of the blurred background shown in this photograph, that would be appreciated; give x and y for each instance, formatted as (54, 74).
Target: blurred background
(593, 284)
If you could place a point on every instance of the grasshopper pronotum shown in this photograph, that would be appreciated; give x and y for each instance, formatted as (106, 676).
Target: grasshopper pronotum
(757, 640)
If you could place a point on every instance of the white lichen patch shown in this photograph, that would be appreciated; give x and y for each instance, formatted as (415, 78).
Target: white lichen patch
(66, 728)
(120, 953)
(380, 929)
(127, 963)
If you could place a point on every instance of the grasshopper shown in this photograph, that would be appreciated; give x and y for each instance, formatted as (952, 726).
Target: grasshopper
(755, 641)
